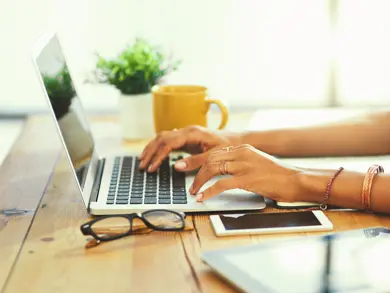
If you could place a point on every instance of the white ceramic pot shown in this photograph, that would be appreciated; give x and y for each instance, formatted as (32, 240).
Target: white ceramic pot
(77, 137)
(136, 116)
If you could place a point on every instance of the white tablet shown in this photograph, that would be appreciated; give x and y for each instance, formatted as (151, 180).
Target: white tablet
(353, 261)
(267, 223)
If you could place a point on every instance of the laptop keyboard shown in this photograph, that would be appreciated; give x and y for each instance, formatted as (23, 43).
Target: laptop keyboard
(129, 185)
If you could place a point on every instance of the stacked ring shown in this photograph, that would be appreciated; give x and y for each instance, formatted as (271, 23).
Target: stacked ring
(223, 168)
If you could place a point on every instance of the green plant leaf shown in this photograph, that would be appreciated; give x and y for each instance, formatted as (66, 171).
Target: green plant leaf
(59, 86)
(136, 69)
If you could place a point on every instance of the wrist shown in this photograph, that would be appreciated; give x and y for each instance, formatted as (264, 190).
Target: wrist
(312, 185)
(345, 190)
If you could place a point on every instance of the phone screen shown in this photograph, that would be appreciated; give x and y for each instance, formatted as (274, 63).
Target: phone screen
(272, 220)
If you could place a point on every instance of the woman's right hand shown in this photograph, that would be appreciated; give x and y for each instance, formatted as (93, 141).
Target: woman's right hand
(192, 139)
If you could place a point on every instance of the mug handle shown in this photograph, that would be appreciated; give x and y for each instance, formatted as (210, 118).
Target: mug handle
(224, 112)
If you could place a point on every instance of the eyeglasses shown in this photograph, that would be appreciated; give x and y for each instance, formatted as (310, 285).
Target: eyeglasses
(111, 227)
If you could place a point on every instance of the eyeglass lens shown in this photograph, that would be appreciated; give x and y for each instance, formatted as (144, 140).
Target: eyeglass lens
(111, 227)
(164, 219)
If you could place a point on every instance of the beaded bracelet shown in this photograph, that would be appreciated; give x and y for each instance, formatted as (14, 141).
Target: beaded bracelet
(324, 205)
(367, 185)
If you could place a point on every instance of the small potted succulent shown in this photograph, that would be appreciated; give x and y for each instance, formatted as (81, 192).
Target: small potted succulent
(134, 72)
(62, 95)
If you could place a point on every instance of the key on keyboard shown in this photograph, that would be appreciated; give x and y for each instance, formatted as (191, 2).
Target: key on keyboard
(129, 185)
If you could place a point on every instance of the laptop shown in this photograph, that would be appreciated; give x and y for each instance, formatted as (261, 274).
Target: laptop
(115, 185)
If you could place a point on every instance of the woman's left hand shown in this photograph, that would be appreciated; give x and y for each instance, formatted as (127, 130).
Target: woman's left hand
(251, 170)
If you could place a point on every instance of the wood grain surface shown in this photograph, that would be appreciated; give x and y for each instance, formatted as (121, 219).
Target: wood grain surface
(24, 176)
(43, 250)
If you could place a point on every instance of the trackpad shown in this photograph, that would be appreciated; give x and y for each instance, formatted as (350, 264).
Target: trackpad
(234, 197)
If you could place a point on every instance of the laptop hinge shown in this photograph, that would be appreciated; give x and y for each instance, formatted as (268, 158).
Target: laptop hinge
(98, 179)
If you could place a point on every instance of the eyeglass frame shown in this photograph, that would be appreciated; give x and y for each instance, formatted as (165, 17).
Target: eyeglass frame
(87, 230)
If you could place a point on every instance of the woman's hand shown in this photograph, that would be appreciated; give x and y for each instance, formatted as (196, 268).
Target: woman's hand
(251, 170)
(192, 139)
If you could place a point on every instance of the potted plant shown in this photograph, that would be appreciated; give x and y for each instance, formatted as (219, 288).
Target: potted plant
(134, 72)
(60, 91)
(62, 95)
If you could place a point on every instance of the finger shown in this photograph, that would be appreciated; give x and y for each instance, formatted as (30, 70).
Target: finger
(211, 170)
(168, 144)
(194, 162)
(226, 153)
(191, 163)
(174, 140)
(149, 145)
(146, 154)
(161, 154)
(159, 142)
(217, 188)
(223, 155)
(145, 150)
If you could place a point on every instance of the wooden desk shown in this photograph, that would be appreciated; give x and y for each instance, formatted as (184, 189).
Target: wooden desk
(42, 249)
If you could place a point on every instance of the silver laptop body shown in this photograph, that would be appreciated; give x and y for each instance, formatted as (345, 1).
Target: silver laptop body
(114, 185)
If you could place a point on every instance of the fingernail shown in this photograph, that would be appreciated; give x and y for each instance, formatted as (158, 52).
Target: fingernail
(180, 165)
(191, 189)
(199, 197)
(150, 168)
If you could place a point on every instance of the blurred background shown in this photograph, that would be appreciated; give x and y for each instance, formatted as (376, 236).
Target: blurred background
(250, 53)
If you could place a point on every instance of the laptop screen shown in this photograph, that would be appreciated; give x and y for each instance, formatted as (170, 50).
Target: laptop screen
(66, 107)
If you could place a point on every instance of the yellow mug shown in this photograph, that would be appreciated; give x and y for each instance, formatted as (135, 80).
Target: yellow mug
(178, 106)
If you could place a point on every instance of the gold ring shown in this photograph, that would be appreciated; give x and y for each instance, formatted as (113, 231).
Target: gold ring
(223, 168)
(227, 149)
(225, 171)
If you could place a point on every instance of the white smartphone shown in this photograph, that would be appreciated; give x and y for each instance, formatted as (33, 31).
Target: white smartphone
(268, 223)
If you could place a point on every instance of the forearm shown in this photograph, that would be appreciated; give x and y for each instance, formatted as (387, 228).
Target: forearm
(346, 189)
(364, 135)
